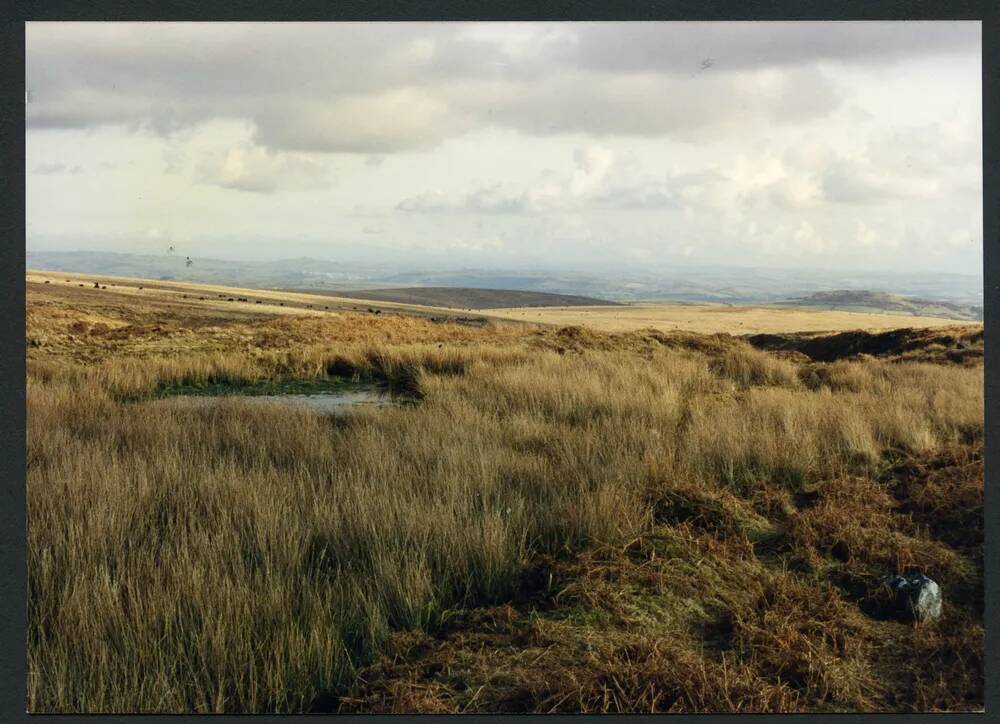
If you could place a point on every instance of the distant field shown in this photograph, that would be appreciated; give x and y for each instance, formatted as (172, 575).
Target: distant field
(469, 298)
(667, 317)
(711, 318)
(233, 300)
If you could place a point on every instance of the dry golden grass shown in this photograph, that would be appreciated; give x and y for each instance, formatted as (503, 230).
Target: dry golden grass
(712, 318)
(214, 296)
(662, 316)
(651, 522)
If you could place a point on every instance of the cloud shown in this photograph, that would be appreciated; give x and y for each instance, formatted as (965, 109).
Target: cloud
(863, 235)
(647, 104)
(382, 122)
(592, 165)
(801, 178)
(645, 197)
(682, 47)
(384, 87)
(796, 140)
(488, 200)
(548, 194)
(250, 168)
(857, 181)
(793, 192)
(48, 169)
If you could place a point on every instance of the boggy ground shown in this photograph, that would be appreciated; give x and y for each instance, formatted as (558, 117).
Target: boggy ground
(568, 521)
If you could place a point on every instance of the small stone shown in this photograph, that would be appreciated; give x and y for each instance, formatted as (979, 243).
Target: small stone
(914, 595)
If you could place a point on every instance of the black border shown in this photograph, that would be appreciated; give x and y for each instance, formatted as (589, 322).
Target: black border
(12, 255)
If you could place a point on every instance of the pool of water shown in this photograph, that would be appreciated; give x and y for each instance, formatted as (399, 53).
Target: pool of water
(331, 398)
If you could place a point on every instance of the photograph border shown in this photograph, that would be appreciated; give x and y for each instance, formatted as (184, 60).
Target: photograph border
(13, 664)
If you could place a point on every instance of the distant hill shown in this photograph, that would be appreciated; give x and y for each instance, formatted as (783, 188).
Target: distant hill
(719, 285)
(468, 298)
(850, 300)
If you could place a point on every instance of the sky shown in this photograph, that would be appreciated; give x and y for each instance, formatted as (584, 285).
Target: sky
(585, 146)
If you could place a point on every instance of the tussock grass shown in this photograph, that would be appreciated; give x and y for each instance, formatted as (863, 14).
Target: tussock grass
(244, 558)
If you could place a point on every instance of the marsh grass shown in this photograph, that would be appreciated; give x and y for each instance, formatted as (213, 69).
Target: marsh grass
(247, 559)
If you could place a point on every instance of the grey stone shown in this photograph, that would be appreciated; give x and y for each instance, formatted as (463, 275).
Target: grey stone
(915, 595)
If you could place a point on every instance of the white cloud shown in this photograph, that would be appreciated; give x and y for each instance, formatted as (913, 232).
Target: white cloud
(593, 163)
(250, 168)
(547, 194)
(864, 236)
(794, 192)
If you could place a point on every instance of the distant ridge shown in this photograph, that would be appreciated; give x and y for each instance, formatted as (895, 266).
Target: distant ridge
(470, 298)
(868, 301)
(716, 285)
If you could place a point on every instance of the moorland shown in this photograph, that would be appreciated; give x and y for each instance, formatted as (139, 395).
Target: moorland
(570, 518)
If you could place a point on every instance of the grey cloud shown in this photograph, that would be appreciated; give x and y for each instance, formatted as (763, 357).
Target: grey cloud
(649, 104)
(852, 181)
(384, 122)
(380, 88)
(46, 169)
(49, 169)
(682, 47)
(923, 150)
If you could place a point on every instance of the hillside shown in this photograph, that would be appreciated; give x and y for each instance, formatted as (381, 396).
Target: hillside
(564, 520)
(701, 318)
(713, 318)
(365, 267)
(468, 298)
(868, 301)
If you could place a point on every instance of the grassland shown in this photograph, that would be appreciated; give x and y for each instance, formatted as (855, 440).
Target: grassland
(478, 306)
(569, 520)
(470, 299)
(231, 301)
(717, 318)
